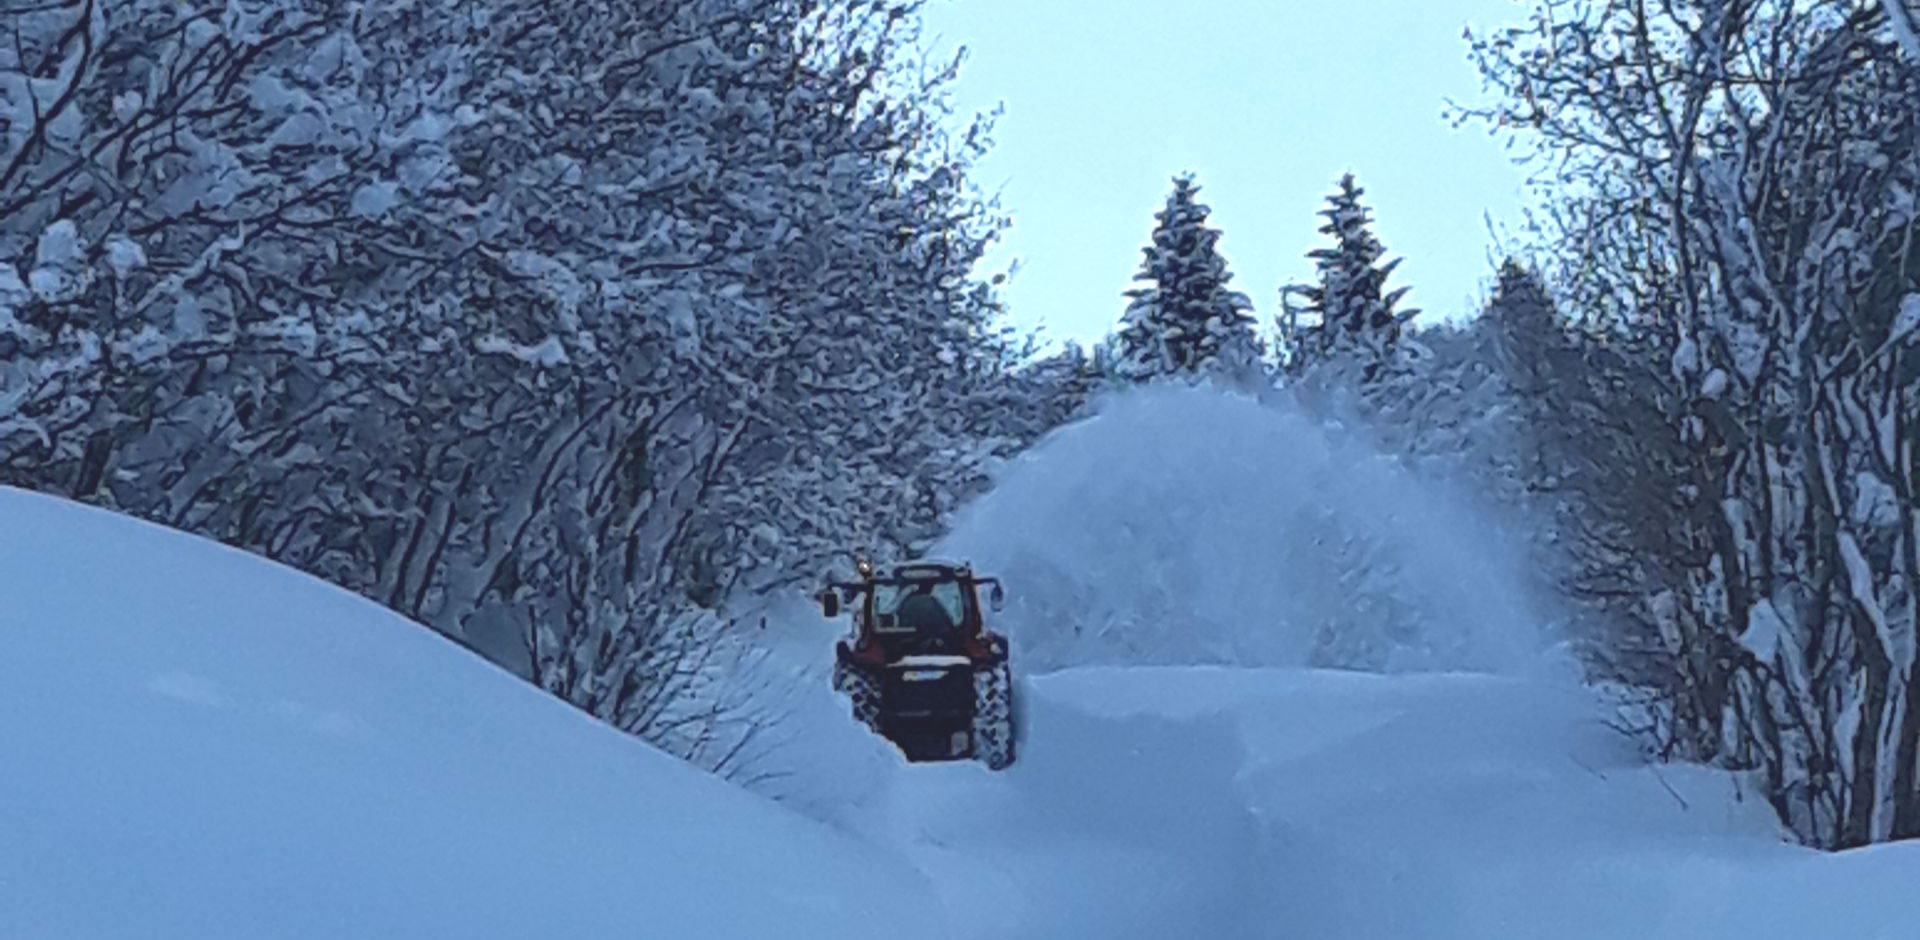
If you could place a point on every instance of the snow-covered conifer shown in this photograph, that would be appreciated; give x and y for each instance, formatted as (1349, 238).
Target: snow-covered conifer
(1185, 319)
(1349, 311)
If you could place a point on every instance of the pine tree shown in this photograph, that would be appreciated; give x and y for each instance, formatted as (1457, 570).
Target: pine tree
(1351, 312)
(1187, 320)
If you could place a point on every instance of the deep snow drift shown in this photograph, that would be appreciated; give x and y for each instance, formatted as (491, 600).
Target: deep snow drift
(197, 744)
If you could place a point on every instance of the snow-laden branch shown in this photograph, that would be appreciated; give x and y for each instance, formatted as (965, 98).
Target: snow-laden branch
(1901, 18)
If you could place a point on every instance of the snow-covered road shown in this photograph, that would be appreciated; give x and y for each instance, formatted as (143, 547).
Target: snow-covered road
(1273, 803)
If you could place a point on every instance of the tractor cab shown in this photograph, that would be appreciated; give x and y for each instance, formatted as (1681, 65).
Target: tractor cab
(933, 607)
(926, 608)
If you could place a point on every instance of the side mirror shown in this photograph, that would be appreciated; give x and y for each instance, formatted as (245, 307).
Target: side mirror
(998, 598)
(829, 604)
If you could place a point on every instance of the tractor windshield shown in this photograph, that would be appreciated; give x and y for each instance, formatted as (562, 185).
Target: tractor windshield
(925, 606)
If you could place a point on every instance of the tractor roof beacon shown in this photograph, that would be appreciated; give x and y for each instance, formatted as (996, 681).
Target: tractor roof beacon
(921, 666)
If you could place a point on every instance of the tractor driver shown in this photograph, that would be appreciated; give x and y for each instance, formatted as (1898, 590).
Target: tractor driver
(922, 611)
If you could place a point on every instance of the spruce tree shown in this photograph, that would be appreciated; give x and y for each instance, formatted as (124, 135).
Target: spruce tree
(1523, 317)
(1186, 320)
(1351, 313)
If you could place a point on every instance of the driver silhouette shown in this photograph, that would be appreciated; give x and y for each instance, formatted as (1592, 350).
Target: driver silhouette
(921, 611)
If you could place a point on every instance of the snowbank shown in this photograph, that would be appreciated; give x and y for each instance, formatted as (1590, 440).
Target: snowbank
(1190, 525)
(197, 743)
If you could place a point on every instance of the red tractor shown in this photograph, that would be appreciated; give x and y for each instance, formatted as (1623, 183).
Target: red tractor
(921, 666)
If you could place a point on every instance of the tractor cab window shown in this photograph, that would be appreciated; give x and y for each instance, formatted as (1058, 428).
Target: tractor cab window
(929, 606)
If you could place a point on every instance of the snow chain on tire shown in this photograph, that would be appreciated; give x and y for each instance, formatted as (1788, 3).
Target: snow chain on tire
(993, 716)
(863, 690)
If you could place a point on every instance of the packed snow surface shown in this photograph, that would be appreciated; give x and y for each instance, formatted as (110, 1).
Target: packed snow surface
(199, 744)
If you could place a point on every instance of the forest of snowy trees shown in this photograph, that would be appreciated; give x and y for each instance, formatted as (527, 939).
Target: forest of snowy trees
(560, 328)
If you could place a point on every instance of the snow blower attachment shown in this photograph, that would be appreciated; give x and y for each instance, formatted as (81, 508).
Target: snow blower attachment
(921, 667)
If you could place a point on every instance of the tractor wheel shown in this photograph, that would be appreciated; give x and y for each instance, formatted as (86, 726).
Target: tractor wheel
(993, 729)
(862, 689)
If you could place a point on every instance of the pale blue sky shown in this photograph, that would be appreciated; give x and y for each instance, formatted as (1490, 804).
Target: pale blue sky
(1267, 101)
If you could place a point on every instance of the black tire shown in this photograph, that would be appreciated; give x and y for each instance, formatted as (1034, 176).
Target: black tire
(993, 730)
(864, 691)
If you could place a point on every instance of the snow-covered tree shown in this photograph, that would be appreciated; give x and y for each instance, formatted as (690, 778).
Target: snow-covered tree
(165, 170)
(1734, 198)
(1349, 312)
(1185, 319)
(1589, 450)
